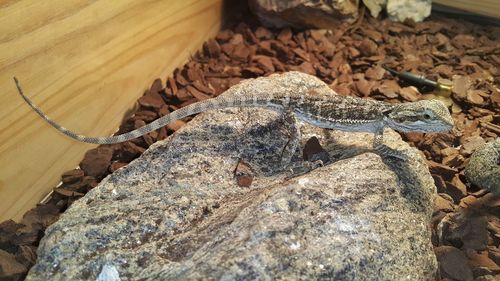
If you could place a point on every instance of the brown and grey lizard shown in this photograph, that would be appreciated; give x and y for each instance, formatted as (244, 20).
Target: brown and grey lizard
(314, 107)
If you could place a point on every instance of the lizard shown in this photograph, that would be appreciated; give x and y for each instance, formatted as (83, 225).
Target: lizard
(330, 111)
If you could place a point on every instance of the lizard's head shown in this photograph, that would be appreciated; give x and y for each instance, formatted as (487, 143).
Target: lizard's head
(421, 116)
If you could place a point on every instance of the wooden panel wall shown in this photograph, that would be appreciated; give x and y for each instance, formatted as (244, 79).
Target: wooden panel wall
(84, 63)
(490, 8)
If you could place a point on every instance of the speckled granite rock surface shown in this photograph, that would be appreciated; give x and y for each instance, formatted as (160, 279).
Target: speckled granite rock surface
(176, 213)
(483, 169)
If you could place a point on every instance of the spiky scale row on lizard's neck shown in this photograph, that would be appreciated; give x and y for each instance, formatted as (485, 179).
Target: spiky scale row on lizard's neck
(308, 97)
(344, 109)
(335, 112)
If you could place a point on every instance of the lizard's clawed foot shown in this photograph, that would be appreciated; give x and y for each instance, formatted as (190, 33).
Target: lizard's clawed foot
(299, 168)
(385, 151)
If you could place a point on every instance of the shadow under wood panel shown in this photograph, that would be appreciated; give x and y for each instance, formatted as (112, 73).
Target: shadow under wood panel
(84, 63)
(490, 8)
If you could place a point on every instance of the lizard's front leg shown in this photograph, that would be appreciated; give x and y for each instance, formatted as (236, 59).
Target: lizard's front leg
(291, 126)
(382, 149)
(293, 131)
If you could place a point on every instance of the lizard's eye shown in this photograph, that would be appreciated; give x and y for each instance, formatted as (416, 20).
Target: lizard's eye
(427, 116)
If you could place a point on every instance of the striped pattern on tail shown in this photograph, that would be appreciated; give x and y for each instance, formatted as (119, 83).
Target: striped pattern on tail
(215, 103)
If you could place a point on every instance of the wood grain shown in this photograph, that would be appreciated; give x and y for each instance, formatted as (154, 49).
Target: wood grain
(490, 8)
(84, 63)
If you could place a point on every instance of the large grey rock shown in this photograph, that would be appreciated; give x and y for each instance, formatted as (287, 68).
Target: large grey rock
(176, 213)
(305, 13)
(400, 10)
(375, 6)
(483, 168)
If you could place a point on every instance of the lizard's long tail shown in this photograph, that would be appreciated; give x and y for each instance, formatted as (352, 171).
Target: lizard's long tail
(215, 103)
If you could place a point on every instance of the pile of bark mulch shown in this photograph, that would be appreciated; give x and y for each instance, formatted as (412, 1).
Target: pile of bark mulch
(466, 225)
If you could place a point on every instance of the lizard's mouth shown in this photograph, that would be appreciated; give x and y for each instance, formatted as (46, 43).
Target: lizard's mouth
(421, 127)
(435, 128)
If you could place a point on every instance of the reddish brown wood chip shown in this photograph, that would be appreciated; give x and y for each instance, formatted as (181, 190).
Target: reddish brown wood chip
(96, 162)
(252, 71)
(212, 48)
(156, 87)
(444, 70)
(237, 39)
(179, 78)
(410, 93)
(414, 136)
(440, 169)
(132, 149)
(389, 88)
(475, 97)
(43, 215)
(68, 193)
(10, 268)
(265, 49)
(139, 124)
(183, 95)
(227, 48)
(201, 87)
(175, 125)
(8, 232)
(364, 87)
(449, 151)
(151, 101)
(453, 263)
(342, 89)
(494, 253)
(197, 94)
(72, 176)
(173, 85)
(162, 134)
(194, 74)
(263, 33)
(82, 186)
(145, 115)
(164, 110)
(457, 190)
(375, 73)
(241, 53)
(301, 53)
(470, 144)
(264, 62)
(441, 39)
(454, 161)
(495, 98)
(368, 48)
(117, 165)
(285, 35)
(224, 35)
(443, 204)
(481, 262)
(26, 255)
(250, 36)
(305, 67)
(244, 174)
(464, 41)
(461, 85)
